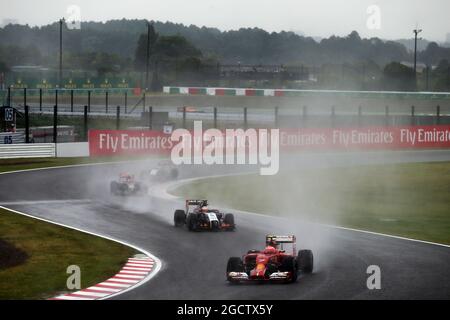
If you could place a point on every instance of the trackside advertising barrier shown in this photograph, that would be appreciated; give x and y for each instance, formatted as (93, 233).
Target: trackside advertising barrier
(134, 142)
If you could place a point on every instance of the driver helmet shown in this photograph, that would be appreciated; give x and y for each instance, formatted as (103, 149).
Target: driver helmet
(204, 209)
(270, 250)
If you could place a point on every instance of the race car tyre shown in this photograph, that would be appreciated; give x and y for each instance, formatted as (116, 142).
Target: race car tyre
(113, 187)
(229, 219)
(215, 226)
(192, 222)
(305, 261)
(234, 264)
(179, 218)
(123, 188)
(290, 265)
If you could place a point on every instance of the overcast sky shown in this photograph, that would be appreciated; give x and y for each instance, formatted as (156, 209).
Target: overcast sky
(388, 19)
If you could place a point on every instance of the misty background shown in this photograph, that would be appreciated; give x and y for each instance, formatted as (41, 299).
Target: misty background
(346, 45)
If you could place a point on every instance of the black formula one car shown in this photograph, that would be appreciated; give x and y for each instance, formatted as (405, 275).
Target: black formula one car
(164, 171)
(273, 264)
(197, 216)
(127, 185)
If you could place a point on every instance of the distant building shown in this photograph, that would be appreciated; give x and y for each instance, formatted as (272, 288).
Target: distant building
(420, 66)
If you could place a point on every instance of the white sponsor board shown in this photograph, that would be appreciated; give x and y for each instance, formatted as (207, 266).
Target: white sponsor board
(12, 137)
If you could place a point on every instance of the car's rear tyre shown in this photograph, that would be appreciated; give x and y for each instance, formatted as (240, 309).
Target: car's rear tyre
(305, 261)
(113, 187)
(289, 264)
(229, 219)
(179, 218)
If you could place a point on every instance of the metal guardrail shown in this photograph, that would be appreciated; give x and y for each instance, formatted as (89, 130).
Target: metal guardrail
(33, 150)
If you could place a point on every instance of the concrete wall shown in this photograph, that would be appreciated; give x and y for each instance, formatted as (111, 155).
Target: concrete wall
(72, 149)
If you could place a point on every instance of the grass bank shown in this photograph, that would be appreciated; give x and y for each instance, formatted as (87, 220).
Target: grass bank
(36, 254)
(50, 249)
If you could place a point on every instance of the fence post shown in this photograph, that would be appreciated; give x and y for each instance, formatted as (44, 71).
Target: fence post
(85, 123)
(40, 99)
(413, 115)
(9, 97)
(126, 101)
(184, 117)
(27, 124)
(245, 118)
(276, 117)
(106, 101)
(118, 118)
(386, 115)
(359, 116)
(56, 98)
(150, 117)
(55, 123)
(438, 114)
(71, 100)
(143, 101)
(215, 117)
(304, 115)
(24, 97)
(333, 116)
(89, 101)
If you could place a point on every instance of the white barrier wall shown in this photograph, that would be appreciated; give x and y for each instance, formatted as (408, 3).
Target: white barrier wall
(72, 149)
(32, 150)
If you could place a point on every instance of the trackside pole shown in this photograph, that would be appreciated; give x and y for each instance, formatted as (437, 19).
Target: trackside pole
(85, 123)
(106, 101)
(359, 116)
(27, 124)
(126, 102)
(89, 101)
(386, 115)
(150, 117)
(55, 123)
(276, 117)
(438, 114)
(118, 118)
(245, 118)
(40, 99)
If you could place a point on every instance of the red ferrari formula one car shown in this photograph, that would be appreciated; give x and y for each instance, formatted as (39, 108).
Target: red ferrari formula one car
(271, 264)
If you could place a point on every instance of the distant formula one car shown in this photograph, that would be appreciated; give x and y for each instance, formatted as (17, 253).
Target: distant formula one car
(272, 264)
(165, 170)
(127, 185)
(198, 216)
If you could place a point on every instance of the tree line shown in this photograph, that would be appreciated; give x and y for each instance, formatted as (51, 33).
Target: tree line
(120, 46)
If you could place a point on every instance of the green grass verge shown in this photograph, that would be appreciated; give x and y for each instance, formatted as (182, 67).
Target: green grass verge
(51, 249)
(35, 163)
(410, 200)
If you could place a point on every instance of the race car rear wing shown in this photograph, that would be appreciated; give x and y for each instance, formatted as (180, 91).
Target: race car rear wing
(202, 203)
(279, 240)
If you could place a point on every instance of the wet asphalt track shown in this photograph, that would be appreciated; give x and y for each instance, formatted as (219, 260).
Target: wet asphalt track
(194, 263)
